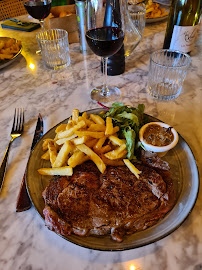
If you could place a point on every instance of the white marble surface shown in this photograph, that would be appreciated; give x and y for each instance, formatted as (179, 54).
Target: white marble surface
(25, 243)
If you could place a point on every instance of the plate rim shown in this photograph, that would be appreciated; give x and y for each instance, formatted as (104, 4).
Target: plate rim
(126, 248)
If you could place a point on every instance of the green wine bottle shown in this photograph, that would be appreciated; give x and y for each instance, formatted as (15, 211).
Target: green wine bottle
(182, 27)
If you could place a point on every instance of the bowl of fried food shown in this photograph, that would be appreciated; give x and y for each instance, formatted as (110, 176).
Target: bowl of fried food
(155, 12)
(10, 48)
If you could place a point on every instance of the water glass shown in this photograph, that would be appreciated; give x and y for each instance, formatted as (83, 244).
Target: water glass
(137, 13)
(54, 47)
(167, 72)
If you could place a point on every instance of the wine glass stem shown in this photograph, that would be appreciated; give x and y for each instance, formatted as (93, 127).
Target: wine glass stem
(105, 88)
(42, 24)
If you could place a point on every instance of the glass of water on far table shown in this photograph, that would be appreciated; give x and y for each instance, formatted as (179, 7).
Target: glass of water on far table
(137, 13)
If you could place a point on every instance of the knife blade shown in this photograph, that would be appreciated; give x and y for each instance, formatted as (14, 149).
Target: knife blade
(23, 200)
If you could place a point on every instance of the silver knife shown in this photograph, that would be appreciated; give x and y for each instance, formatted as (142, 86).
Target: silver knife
(23, 200)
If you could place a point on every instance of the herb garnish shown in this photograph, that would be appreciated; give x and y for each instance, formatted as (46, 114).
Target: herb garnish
(129, 120)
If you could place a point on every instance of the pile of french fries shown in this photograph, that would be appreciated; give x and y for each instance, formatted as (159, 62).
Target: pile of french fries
(85, 138)
(9, 48)
(153, 10)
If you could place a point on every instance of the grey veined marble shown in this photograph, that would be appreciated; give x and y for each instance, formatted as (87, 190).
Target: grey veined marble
(25, 243)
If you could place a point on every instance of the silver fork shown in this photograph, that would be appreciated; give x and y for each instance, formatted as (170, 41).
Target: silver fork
(16, 132)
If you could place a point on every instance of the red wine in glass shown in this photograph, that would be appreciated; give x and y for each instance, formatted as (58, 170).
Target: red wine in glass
(38, 9)
(105, 41)
(105, 35)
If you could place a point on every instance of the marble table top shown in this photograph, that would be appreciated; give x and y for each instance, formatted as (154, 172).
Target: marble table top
(25, 243)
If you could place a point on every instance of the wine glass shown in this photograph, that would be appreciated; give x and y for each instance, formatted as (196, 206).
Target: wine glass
(105, 35)
(38, 9)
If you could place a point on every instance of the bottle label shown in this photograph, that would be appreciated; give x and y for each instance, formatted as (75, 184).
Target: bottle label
(183, 38)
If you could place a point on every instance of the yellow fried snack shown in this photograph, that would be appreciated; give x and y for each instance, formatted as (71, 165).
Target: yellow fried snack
(56, 171)
(132, 167)
(62, 155)
(86, 137)
(153, 10)
(52, 152)
(77, 158)
(109, 126)
(93, 156)
(9, 48)
(117, 153)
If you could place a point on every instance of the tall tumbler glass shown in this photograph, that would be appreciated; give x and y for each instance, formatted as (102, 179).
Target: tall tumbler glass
(167, 72)
(54, 46)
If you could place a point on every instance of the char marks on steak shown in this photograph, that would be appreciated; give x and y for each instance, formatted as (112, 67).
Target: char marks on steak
(116, 202)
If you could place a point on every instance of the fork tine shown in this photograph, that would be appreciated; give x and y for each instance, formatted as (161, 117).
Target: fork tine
(14, 120)
(22, 119)
(18, 119)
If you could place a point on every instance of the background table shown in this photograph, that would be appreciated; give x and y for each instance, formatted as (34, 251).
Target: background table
(25, 243)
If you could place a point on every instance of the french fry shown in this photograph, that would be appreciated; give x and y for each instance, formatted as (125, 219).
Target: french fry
(117, 153)
(62, 155)
(105, 149)
(61, 141)
(93, 156)
(5, 56)
(77, 158)
(9, 42)
(46, 155)
(149, 10)
(80, 140)
(116, 162)
(91, 143)
(132, 167)
(84, 115)
(97, 127)
(85, 118)
(115, 140)
(93, 134)
(56, 171)
(60, 128)
(1, 44)
(100, 143)
(71, 131)
(45, 144)
(97, 119)
(6, 51)
(109, 126)
(75, 115)
(119, 156)
(52, 152)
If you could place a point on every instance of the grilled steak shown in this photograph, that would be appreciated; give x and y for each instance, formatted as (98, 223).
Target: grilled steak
(116, 202)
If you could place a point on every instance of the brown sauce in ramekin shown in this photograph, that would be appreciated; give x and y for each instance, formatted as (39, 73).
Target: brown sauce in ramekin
(157, 135)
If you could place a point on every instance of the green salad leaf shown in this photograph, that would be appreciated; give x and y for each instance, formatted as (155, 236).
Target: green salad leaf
(130, 120)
